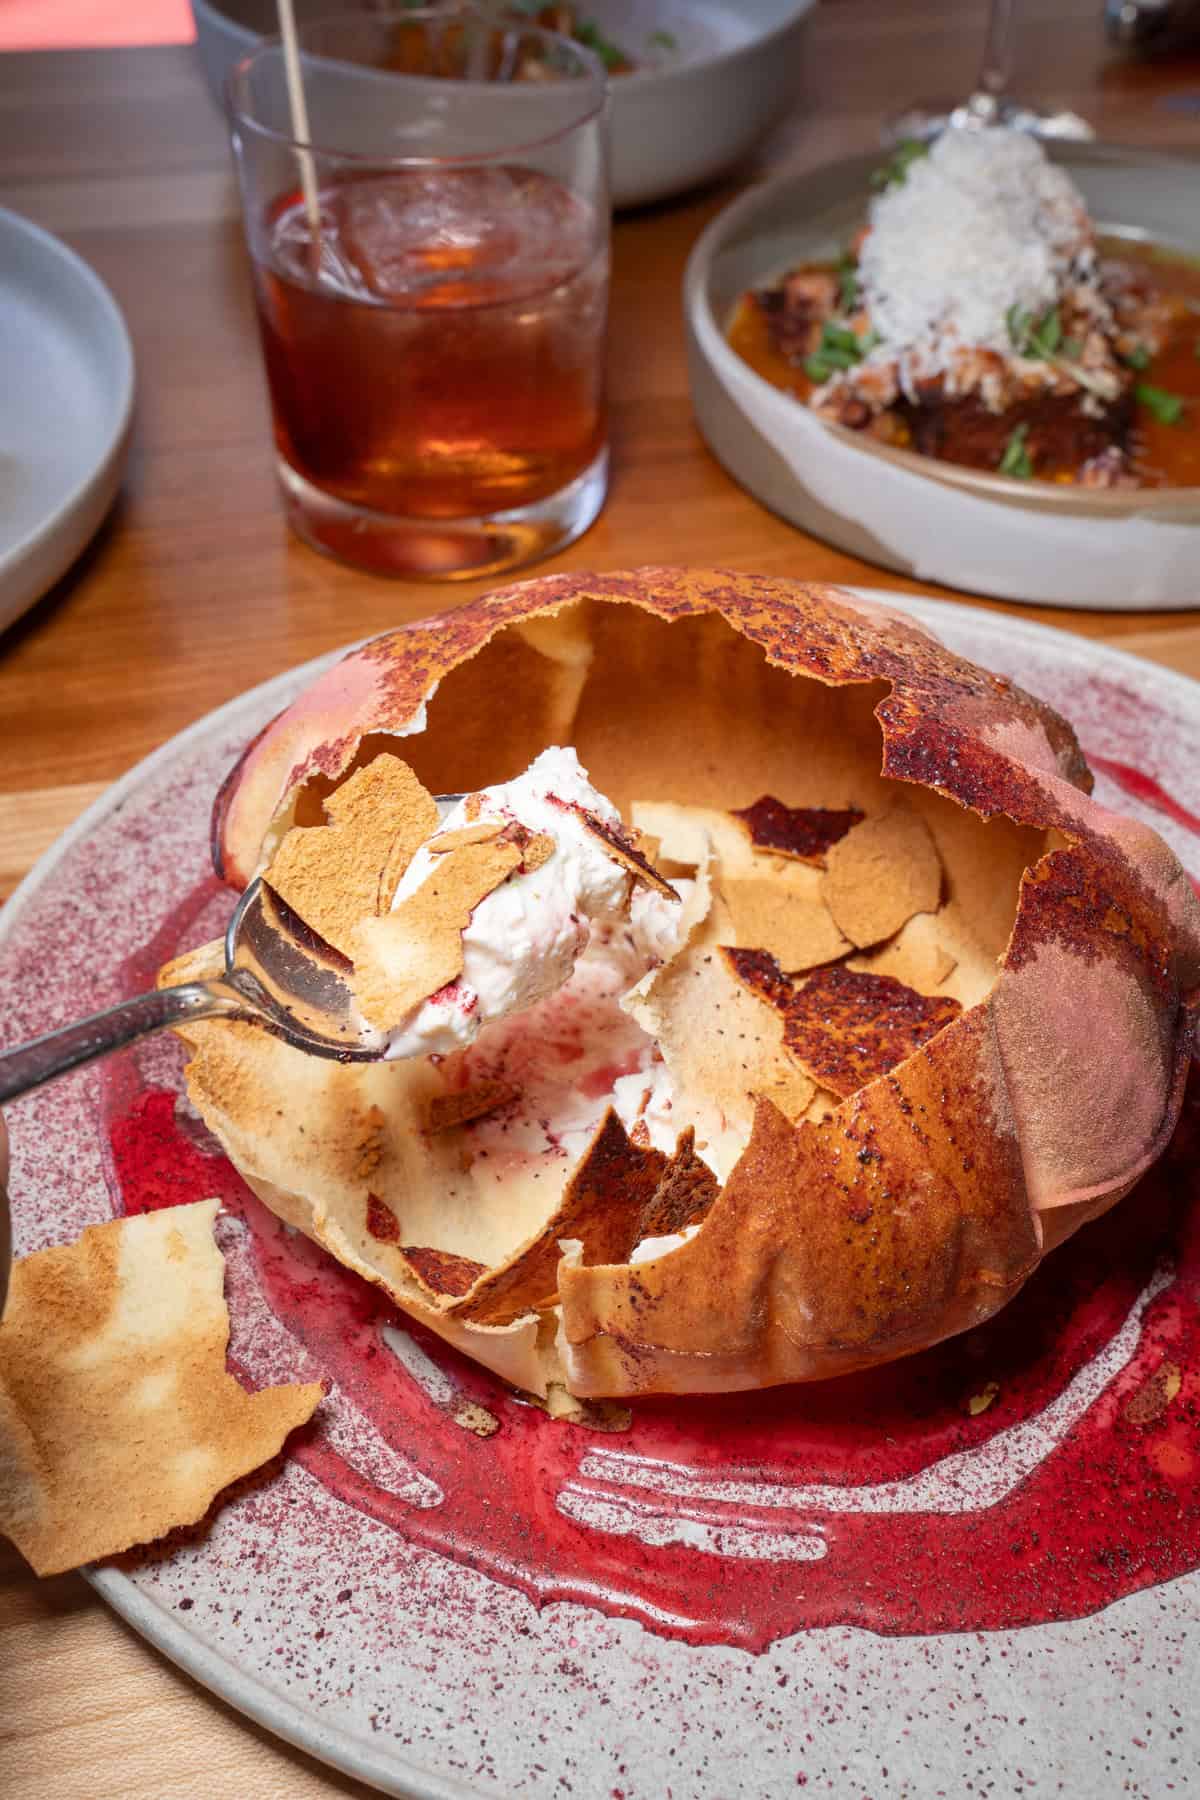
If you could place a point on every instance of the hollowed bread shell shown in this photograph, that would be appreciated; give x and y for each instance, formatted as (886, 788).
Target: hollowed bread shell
(927, 1197)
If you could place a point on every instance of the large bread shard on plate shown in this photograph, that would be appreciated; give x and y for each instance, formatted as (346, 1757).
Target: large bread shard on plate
(848, 1230)
(118, 1417)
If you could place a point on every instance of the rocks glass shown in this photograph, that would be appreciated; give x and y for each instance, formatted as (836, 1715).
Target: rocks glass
(431, 265)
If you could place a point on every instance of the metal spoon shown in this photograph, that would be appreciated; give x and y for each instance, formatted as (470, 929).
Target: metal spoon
(270, 979)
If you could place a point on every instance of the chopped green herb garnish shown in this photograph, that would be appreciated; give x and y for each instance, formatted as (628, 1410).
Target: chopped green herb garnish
(1072, 349)
(894, 172)
(1038, 339)
(589, 33)
(1018, 322)
(847, 283)
(838, 337)
(1138, 357)
(1015, 460)
(662, 40)
(1166, 408)
(839, 348)
(833, 358)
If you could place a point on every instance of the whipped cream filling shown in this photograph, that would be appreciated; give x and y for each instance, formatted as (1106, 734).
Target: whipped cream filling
(651, 1248)
(648, 1097)
(525, 937)
(568, 1057)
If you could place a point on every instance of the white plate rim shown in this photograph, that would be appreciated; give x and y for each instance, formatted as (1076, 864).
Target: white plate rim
(303, 1729)
(79, 512)
(760, 36)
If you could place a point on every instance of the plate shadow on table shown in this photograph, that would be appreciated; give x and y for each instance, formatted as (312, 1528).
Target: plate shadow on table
(38, 616)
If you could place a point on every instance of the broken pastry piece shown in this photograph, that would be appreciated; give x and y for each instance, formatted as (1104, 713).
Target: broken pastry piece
(843, 1026)
(335, 874)
(118, 1418)
(879, 874)
(803, 832)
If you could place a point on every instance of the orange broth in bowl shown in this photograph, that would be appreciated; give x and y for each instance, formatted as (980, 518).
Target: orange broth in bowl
(1163, 453)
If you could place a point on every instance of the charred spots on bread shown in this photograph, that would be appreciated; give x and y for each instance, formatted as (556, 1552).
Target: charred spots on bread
(381, 1221)
(441, 1270)
(844, 1026)
(620, 845)
(805, 832)
(684, 1193)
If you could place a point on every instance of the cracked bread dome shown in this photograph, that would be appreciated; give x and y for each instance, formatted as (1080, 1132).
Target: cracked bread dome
(922, 1009)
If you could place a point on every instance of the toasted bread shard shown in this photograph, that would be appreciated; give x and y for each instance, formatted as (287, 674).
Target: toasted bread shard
(602, 1204)
(461, 835)
(685, 1191)
(774, 903)
(118, 1418)
(883, 871)
(804, 833)
(844, 1026)
(417, 950)
(722, 1047)
(625, 849)
(784, 914)
(335, 874)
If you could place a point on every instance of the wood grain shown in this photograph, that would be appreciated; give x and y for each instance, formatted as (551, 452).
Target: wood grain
(194, 591)
(89, 1712)
(30, 822)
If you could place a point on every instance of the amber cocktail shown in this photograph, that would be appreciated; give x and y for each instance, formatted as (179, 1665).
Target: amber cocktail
(433, 326)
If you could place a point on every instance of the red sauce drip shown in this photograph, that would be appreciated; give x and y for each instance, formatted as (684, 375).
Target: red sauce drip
(1143, 787)
(1113, 1508)
(1116, 1506)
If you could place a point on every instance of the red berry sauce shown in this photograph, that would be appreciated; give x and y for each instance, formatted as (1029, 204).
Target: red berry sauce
(709, 1519)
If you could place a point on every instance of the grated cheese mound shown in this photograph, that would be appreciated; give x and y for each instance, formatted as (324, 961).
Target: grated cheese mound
(981, 224)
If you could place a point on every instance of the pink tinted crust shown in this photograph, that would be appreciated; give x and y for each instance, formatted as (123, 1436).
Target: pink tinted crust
(923, 1204)
(901, 1220)
(304, 740)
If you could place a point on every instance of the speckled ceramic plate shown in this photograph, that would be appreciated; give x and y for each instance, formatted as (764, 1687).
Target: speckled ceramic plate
(977, 1571)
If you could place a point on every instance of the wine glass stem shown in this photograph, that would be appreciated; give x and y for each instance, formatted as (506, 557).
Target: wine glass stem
(996, 67)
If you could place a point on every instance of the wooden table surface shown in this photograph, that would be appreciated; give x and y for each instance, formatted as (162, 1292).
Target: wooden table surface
(194, 591)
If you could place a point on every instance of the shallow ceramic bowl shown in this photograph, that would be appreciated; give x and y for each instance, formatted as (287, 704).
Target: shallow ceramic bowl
(1118, 550)
(691, 112)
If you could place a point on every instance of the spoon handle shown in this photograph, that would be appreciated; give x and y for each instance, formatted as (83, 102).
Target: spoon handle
(42, 1059)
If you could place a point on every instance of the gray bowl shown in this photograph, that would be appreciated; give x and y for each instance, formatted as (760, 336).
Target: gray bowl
(681, 120)
(1116, 550)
